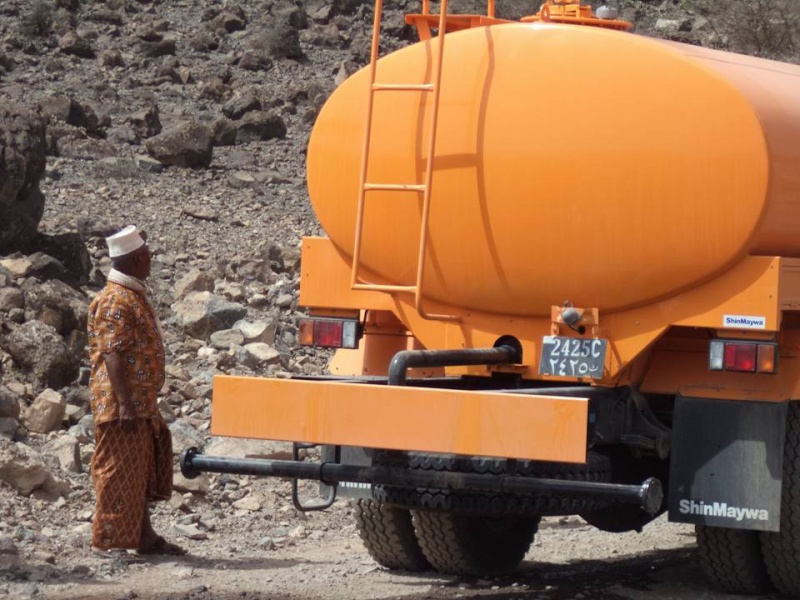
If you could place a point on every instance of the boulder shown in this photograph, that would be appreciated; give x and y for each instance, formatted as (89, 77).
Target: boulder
(56, 304)
(66, 450)
(23, 143)
(24, 470)
(258, 354)
(202, 313)
(257, 331)
(194, 281)
(259, 126)
(73, 44)
(9, 403)
(242, 102)
(37, 348)
(8, 428)
(185, 145)
(145, 123)
(46, 412)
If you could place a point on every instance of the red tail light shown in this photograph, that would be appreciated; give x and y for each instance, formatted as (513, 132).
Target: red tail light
(743, 356)
(330, 333)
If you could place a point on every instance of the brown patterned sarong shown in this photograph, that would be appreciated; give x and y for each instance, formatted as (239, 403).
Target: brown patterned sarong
(126, 477)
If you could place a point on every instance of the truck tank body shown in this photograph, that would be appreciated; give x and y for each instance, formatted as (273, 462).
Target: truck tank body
(571, 163)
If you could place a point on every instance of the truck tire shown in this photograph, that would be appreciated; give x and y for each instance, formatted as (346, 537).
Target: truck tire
(597, 468)
(388, 535)
(473, 545)
(732, 559)
(782, 548)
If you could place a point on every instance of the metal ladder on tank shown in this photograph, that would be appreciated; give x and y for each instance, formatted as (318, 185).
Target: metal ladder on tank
(425, 187)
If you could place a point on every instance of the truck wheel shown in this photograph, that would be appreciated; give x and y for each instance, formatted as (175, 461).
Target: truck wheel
(732, 559)
(782, 548)
(462, 544)
(388, 536)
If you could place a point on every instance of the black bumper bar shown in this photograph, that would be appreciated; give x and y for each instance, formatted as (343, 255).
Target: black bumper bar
(649, 494)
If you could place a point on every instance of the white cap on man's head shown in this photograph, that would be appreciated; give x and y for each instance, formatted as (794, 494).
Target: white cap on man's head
(124, 242)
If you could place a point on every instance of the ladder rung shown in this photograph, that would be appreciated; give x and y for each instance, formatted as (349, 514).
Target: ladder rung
(395, 187)
(375, 287)
(402, 87)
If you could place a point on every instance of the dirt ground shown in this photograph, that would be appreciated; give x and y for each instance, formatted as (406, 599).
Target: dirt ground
(323, 557)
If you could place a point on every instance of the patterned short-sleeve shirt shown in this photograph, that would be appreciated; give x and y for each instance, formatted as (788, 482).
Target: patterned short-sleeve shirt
(120, 320)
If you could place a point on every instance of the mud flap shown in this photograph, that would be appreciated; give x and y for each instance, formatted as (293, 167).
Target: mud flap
(726, 463)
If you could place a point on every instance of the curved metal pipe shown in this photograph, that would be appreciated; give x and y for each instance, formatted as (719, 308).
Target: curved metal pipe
(407, 359)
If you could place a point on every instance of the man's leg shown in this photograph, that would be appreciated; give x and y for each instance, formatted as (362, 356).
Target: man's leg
(120, 473)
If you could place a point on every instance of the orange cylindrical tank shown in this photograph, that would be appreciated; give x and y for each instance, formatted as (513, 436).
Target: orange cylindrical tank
(571, 163)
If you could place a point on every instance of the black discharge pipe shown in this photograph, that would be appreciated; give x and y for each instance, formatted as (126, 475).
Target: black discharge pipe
(407, 359)
(649, 495)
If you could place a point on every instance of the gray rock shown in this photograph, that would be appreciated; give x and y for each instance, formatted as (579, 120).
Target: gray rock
(8, 427)
(82, 433)
(157, 48)
(185, 145)
(184, 436)
(224, 131)
(66, 449)
(242, 102)
(226, 338)
(241, 179)
(284, 300)
(24, 470)
(194, 281)
(231, 20)
(191, 531)
(259, 354)
(149, 165)
(22, 136)
(198, 485)
(9, 403)
(46, 412)
(259, 126)
(202, 313)
(145, 123)
(39, 350)
(17, 267)
(257, 331)
(73, 44)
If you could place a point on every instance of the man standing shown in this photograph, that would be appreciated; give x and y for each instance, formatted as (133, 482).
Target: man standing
(132, 463)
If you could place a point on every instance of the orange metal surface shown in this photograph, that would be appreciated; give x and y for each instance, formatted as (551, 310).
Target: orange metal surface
(679, 366)
(757, 286)
(459, 422)
(571, 163)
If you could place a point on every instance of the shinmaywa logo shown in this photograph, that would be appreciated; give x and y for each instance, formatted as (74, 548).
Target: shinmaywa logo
(721, 509)
(744, 322)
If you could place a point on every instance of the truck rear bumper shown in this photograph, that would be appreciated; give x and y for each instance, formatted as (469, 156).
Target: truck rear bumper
(402, 418)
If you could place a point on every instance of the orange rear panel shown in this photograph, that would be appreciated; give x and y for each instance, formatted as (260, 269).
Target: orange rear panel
(459, 422)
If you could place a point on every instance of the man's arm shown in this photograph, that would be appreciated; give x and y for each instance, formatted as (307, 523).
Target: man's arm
(116, 375)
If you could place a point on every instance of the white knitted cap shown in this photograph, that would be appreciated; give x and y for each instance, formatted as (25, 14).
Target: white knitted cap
(124, 242)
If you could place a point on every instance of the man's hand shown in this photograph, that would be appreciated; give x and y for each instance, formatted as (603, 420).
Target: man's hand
(127, 418)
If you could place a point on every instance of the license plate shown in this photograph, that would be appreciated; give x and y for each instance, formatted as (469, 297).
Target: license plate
(573, 357)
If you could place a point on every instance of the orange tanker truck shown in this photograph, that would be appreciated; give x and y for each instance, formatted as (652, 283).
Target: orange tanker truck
(562, 273)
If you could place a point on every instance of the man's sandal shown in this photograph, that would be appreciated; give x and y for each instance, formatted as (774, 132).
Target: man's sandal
(120, 554)
(162, 546)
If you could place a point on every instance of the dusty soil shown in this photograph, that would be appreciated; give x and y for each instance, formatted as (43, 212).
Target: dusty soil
(322, 557)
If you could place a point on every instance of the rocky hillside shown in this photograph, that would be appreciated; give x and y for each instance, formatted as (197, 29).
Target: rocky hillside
(189, 118)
